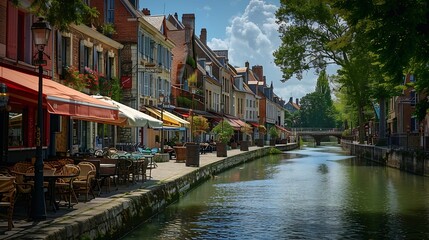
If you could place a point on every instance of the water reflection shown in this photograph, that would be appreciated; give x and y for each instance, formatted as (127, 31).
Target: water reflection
(315, 193)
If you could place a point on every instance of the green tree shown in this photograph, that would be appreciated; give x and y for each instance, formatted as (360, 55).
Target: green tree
(60, 14)
(314, 34)
(397, 32)
(317, 108)
(223, 131)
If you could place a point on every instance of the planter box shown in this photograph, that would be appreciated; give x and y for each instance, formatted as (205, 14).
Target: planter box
(221, 150)
(192, 154)
(259, 142)
(180, 153)
(244, 146)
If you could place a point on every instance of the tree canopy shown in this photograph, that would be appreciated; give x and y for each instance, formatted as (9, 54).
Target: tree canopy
(60, 14)
(317, 108)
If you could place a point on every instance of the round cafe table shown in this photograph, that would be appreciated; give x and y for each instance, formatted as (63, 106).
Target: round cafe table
(51, 177)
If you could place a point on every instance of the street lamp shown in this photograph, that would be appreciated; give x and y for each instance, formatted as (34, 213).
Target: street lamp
(161, 99)
(4, 96)
(41, 31)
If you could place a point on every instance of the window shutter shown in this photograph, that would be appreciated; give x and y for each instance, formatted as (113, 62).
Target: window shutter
(81, 57)
(95, 59)
(12, 30)
(59, 53)
(108, 67)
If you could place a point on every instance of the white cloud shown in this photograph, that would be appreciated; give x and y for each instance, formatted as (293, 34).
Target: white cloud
(207, 8)
(252, 36)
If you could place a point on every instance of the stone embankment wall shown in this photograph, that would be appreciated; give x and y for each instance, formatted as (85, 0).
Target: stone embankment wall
(124, 212)
(416, 162)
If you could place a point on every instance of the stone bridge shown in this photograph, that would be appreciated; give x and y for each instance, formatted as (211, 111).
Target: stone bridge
(318, 133)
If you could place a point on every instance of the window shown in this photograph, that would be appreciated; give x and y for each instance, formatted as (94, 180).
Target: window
(141, 44)
(108, 70)
(110, 11)
(65, 51)
(146, 84)
(21, 33)
(85, 55)
(148, 51)
(16, 131)
(99, 62)
(160, 89)
(413, 98)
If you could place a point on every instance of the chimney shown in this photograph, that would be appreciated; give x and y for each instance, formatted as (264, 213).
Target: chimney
(259, 72)
(297, 101)
(203, 36)
(189, 21)
(246, 64)
(176, 16)
(146, 11)
(291, 99)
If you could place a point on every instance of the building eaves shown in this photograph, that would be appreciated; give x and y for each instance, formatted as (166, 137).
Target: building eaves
(100, 37)
(207, 51)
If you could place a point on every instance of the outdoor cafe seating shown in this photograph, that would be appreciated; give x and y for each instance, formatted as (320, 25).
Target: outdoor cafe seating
(7, 197)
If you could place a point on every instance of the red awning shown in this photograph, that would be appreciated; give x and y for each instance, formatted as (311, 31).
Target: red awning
(254, 124)
(282, 129)
(59, 98)
(233, 123)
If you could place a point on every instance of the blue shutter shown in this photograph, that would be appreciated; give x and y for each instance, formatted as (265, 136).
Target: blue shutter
(59, 53)
(81, 57)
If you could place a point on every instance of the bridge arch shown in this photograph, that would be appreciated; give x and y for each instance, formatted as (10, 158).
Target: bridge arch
(319, 133)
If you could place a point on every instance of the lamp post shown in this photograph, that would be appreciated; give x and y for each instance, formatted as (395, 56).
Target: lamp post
(161, 99)
(4, 96)
(41, 31)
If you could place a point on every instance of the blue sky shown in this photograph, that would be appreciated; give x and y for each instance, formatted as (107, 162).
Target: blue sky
(246, 28)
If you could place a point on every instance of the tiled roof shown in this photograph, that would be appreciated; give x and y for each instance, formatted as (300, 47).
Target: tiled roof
(155, 21)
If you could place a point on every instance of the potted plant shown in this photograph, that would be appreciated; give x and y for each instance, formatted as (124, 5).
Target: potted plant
(223, 132)
(274, 134)
(262, 130)
(199, 126)
(247, 130)
(107, 29)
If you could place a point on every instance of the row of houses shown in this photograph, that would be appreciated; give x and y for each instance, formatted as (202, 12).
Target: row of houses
(145, 59)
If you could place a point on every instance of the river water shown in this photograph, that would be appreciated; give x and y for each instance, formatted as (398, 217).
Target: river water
(313, 193)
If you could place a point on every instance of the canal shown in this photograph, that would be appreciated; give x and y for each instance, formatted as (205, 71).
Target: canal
(313, 193)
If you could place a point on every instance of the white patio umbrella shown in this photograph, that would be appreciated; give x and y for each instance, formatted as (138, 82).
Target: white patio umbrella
(131, 117)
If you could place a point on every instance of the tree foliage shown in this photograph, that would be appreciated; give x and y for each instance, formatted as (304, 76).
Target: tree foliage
(200, 125)
(398, 33)
(223, 131)
(313, 35)
(317, 108)
(316, 33)
(60, 14)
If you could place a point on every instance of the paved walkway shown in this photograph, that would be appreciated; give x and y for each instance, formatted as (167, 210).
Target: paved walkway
(165, 171)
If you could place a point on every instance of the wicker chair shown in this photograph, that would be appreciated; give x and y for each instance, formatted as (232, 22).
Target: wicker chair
(23, 189)
(124, 170)
(7, 197)
(84, 182)
(65, 185)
